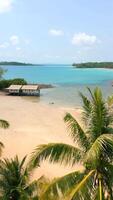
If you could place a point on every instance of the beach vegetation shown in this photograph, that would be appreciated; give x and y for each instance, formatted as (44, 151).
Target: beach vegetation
(15, 63)
(17, 81)
(3, 124)
(15, 180)
(2, 72)
(108, 65)
(94, 151)
(110, 101)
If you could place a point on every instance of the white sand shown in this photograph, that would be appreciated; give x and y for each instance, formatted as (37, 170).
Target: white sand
(31, 124)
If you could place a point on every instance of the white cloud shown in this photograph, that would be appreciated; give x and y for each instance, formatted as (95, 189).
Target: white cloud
(56, 32)
(4, 45)
(18, 48)
(14, 39)
(5, 5)
(84, 39)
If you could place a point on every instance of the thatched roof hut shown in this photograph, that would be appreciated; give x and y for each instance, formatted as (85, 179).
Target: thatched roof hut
(24, 89)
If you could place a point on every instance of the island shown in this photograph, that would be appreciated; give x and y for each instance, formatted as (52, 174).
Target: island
(107, 65)
(18, 63)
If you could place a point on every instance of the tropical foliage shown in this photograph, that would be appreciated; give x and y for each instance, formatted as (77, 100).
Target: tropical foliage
(94, 152)
(108, 65)
(15, 180)
(2, 72)
(3, 124)
(6, 83)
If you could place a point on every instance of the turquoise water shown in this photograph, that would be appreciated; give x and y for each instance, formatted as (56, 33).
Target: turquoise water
(68, 81)
(59, 74)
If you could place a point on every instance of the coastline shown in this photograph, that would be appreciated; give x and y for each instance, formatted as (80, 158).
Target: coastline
(31, 124)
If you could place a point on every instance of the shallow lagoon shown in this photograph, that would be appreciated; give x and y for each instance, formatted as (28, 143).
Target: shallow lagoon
(68, 81)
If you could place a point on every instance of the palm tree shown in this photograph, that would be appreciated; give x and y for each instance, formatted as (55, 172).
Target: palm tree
(3, 124)
(15, 180)
(94, 152)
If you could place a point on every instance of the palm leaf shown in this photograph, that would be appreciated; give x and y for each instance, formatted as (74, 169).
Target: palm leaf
(15, 180)
(100, 189)
(110, 100)
(95, 94)
(107, 172)
(103, 145)
(61, 186)
(84, 189)
(1, 148)
(100, 118)
(32, 188)
(86, 108)
(35, 198)
(4, 124)
(56, 153)
(76, 131)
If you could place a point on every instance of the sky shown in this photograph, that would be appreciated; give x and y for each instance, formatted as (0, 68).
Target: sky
(56, 31)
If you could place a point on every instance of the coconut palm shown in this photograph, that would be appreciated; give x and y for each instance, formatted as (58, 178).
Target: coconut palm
(15, 180)
(3, 124)
(94, 152)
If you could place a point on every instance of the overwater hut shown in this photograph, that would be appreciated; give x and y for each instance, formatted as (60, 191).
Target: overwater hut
(14, 89)
(30, 90)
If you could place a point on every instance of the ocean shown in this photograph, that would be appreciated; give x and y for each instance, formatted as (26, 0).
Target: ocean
(68, 81)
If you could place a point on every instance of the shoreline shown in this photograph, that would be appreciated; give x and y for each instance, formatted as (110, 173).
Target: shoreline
(31, 124)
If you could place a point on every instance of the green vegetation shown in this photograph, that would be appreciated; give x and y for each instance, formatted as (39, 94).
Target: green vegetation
(94, 152)
(6, 83)
(15, 180)
(3, 124)
(108, 65)
(15, 63)
(17, 81)
(2, 71)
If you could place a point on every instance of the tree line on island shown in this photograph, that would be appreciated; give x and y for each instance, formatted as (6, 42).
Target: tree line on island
(94, 151)
(108, 65)
(16, 63)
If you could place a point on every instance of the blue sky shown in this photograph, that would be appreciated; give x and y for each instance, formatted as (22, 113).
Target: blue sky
(56, 31)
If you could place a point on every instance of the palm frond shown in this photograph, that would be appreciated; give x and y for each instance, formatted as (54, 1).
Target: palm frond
(84, 189)
(96, 95)
(60, 186)
(103, 146)
(100, 118)
(95, 194)
(15, 180)
(32, 188)
(43, 183)
(110, 100)
(35, 198)
(4, 124)
(100, 189)
(22, 162)
(56, 153)
(107, 171)
(76, 131)
(1, 148)
(86, 108)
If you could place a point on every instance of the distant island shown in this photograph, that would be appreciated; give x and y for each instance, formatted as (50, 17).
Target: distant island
(16, 63)
(108, 65)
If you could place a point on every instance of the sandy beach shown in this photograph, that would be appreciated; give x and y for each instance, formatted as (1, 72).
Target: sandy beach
(33, 123)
